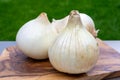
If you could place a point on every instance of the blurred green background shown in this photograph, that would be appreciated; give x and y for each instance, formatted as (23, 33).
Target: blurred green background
(105, 13)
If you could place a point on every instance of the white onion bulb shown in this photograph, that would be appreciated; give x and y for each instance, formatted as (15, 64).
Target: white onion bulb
(75, 50)
(35, 37)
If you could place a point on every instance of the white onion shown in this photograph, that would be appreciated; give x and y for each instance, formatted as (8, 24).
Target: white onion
(35, 37)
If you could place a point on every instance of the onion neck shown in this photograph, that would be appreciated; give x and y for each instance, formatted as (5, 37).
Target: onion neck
(43, 18)
(74, 20)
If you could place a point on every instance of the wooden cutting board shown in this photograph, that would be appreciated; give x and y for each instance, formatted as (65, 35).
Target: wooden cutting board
(14, 65)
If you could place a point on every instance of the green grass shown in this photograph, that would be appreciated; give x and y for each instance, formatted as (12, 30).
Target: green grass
(105, 13)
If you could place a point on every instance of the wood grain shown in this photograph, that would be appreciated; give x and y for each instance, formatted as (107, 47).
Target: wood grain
(15, 65)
